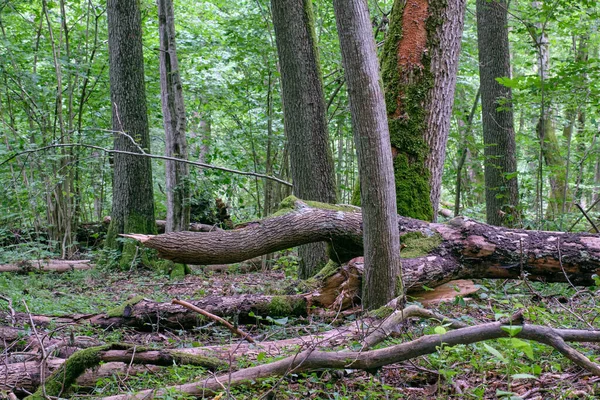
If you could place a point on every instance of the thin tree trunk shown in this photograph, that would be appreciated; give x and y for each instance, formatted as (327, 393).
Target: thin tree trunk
(371, 135)
(177, 174)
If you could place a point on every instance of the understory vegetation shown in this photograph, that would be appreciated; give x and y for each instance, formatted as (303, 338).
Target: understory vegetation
(507, 368)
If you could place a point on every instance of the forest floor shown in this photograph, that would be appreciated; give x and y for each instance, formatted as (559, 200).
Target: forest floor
(506, 368)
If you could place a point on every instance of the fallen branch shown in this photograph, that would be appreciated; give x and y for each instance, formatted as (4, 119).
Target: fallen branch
(220, 320)
(68, 372)
(27, 266)
(144, 154)
(310, 360)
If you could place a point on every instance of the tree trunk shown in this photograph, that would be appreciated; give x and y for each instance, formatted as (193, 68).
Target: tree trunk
(419, 66)
(305, 112)
(435, 253)
(133, 201)
(501, 187)
(173, 107)
(550, 149)
(371, 135)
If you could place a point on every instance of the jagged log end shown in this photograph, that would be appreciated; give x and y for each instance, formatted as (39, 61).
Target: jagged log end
(137, 236)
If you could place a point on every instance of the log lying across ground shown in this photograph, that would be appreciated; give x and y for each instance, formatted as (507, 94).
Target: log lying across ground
(435, 253)
(46, 265)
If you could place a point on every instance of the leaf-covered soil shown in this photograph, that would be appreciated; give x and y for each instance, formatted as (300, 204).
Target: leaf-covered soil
(507, 368)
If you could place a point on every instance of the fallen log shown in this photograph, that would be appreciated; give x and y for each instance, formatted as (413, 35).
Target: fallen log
(26, 376)
(27, 266)
(435, 253)
(147, 315)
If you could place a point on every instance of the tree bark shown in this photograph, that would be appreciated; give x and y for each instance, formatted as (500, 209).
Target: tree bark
(174, 118)
(371, 135)
(133, 201)
(501, 187)
(435, 253)
(419, 66)
(305, 113)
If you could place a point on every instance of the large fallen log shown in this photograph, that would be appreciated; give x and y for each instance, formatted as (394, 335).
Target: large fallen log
(435, 253)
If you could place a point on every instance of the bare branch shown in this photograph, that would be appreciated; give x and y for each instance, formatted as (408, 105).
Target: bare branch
(156, 156)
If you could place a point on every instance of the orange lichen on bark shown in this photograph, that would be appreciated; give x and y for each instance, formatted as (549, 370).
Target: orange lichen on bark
(413, 44)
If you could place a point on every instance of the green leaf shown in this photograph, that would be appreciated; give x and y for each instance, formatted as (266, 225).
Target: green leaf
(494, 352)
(523, 376)
(440, 330)
(525, 347)
(261, 356)
(512, 330)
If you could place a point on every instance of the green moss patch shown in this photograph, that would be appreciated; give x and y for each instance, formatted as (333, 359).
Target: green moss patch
(120, 310)
(419, 245)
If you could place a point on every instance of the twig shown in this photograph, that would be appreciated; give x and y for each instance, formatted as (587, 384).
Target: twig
(42, 349)
(587, 217)
(159, 157)
(12, 311)
(588, 210)
(220, 320)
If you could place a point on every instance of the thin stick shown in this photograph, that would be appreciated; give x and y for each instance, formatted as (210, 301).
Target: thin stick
(587, 217)
(220, 320)
(131, 153)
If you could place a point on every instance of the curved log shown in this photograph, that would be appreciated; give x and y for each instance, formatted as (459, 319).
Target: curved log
(461, 248)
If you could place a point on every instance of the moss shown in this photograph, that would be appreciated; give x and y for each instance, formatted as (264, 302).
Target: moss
(329, 269)
(332, 207)
(419, 245)
(285, 306)
(211, 363)
(120, 310)
(57, 383)
(382, 312)
(174, 270)
(129, 248)
(407, 97)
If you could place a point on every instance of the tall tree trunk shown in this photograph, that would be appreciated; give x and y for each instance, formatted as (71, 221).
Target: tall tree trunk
(369, 123)
(501, 187)
(550, 149)
(177, 174)
(133, 202)
(305, 113)
(419, 66)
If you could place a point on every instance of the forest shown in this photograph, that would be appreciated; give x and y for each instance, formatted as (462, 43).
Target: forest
(299, 199)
